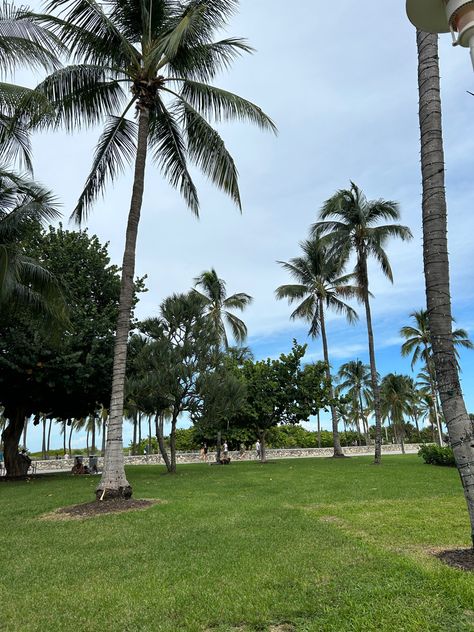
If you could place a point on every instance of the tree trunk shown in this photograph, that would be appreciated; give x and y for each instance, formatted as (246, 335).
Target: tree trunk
(319, 429)
(335, 432)
(134, 441)
(365, 423)
(373, 370)
(436, 264)
(15, 465)
(25, 430)
(43, 443)
(149, 435)
(161, 442)
(87, 442)
(64, 436)
(114, 482)
(218, 447)
(49, 436)
(104, 435)
(263, 448)
(174, 420)
(432, 380)
(71, 430)
(139, 431)
(93, 446)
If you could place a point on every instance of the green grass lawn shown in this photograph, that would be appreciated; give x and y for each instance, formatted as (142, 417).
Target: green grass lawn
(311, 544)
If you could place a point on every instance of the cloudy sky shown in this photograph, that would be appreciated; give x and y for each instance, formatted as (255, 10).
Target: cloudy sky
(343, 94)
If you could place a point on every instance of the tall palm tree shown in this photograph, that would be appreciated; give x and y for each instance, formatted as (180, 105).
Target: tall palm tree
(354, 377)
(146, 68)
(352, 225)
(320, 286)
(217, 306)
(418, 345)
(395, 398)
(436, 265)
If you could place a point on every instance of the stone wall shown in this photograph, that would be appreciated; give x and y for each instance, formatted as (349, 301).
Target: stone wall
(194, 457)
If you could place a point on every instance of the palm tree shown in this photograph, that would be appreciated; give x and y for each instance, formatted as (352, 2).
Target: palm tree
(146, 68)
(436, 265)
(354, 377)
(23, 281)
(320, 285)
(351, 224)
(395, 398)
(418, 345)
(217, 305)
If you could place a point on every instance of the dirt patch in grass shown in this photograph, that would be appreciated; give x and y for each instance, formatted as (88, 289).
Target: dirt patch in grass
(99, 508)
(458, 558)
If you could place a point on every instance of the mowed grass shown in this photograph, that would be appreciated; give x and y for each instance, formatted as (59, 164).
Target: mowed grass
(313, 544)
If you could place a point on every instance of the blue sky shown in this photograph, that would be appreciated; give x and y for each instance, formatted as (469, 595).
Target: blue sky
(344, 97)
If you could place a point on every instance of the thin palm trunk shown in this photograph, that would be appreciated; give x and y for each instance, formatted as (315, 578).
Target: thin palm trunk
(114, 481)
(43, 443)
(319, 429)
(139, 429)
(71, 430)
(64, 436)
(335, 432)
(93, 447)
(104, 435)
(436, 264)
(432, 381)
(365, 424)
(134, 442)
(25, 430)
(373, 372)
(87, 441)
(48, 446)
(149, 434)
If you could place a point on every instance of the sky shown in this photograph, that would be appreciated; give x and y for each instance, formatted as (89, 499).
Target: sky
(342, 89)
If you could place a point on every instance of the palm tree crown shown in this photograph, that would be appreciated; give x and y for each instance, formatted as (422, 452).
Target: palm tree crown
(217, 306)
(320, 283)
(154, 58)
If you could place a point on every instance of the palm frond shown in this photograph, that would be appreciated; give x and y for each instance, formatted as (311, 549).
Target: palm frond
(240, 300)
(237, 326)
(222, 105)
(115, 150)
(170, 154)
(82, 95)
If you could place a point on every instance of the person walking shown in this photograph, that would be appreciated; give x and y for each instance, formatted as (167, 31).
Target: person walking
(258, 449)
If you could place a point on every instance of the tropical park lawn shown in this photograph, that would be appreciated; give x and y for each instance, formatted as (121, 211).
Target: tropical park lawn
(309, 544)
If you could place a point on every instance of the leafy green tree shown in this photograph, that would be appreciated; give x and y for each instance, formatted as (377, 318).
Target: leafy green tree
(146, 68)
(63, 375)
(351, 224)
(278, 392)
(320, 285)
(181, 349)
(217, 306)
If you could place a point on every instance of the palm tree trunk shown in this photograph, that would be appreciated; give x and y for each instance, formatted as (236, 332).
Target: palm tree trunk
(104, 435)
(25, 430)
(43, 443)
(93, 447)
(134, 441)
(432, 381)
(11, 435)
(114, 481)
(435, 254)
(87, 441)
(71, 430)
(335, 432)
(64, 436)
(139, 430)
(218, 446)
(173, 443)
(365, 423)
(49, 437)
(373, 370)
(149, 434)
(319, 429)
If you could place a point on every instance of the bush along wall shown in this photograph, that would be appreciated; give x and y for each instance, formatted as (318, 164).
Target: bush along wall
(437, 455)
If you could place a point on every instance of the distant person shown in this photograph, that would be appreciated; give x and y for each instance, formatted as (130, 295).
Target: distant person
(205, 449)
(258, 449)
(225, 450)
(66, 455)
(242, 451)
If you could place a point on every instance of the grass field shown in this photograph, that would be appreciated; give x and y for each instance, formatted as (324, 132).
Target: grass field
(294, 545)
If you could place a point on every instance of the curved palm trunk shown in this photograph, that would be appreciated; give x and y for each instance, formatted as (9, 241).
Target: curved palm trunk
(114, 482)
(373, 370)
(43, 443)
(436, 264)
(335, 432)
(71, 430)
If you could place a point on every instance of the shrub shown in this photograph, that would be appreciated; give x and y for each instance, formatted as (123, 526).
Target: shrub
(437, 455)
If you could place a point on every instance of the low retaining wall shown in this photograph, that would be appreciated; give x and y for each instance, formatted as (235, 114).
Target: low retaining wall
(194, 457)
